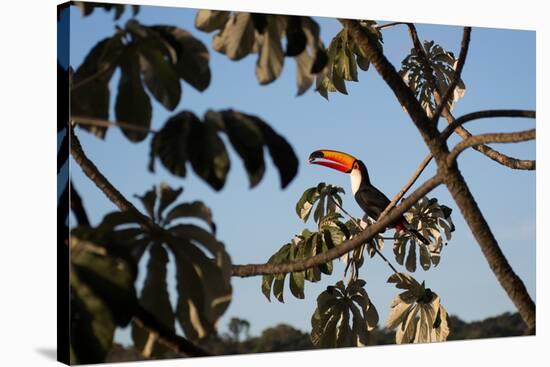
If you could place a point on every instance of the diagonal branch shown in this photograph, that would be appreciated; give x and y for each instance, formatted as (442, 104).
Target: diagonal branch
(508, 279)
(344, 247)
(484, 114)
(514, 137)
(458, 71)
(495, 155)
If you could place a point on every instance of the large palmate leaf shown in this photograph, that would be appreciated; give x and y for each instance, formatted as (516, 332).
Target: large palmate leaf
(203, 267)
(416, 314)
(185, 139)
(240, 34)
(344, 56)
(442, 64)
(434, 222)
(155, 58)
(336, 307)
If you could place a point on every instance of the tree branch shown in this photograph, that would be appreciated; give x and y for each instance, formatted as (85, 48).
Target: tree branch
(484, 114)
(85, 120)
(495, 155)
(458, 71)
(514, 137)
(453, 179)
(409, 183)
(344, 247)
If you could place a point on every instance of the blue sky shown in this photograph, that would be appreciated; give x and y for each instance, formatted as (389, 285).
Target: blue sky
(368, 123)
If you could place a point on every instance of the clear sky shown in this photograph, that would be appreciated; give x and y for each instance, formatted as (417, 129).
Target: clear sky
(368, 123)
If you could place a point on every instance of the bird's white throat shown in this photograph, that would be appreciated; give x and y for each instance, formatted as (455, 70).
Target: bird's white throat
(355, 177)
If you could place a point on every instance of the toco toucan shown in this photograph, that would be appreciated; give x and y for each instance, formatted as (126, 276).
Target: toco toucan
(370, 199)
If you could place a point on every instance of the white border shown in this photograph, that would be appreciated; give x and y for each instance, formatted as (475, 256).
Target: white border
(27, 262)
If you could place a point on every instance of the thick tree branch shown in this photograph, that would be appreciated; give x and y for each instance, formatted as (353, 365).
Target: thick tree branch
(449, 129)
(514, 137)
(344, 247)
(454, 181)
(458, 71)
(495, 155)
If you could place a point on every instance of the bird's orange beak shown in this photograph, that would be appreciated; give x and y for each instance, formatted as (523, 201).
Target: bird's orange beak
(340, 161)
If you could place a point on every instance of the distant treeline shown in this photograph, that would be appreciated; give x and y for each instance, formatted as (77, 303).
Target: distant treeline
(286, 338)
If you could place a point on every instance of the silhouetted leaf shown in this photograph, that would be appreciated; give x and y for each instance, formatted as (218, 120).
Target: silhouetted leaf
(159, 76)
(208, 155)
(155, 298)
(296, 38)
(148, 200)
(192, 56)
(92, 326)
(167, 196)
(111, 279)
(132, 103)
(196, 209)
(247, 139)
(90, 82)
(171, 143)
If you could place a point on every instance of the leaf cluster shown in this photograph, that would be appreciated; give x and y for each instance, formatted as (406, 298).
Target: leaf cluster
(441, 64)
(240, 34)
(184, 139)
(104, 283)
(87, 8)
(416, 314)
(434, 222)
(331, 231)
(344, 56)
(337, 306)
(153, 58)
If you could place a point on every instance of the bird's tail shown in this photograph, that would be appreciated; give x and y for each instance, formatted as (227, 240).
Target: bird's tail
(401, 227)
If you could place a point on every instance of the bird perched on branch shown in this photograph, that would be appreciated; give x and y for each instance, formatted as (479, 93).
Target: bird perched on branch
(370, 199)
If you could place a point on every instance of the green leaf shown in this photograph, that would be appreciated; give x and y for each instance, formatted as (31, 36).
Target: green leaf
(159, 75)
(132, 103)
(296, 38)
(297, 284)
(192, 56)
(411, 258)
(92, 326)
(278, 287)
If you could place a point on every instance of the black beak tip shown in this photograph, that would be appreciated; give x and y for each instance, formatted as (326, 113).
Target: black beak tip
(316, 154)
